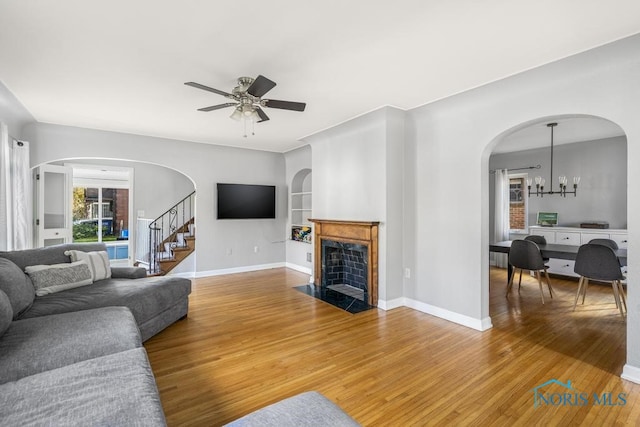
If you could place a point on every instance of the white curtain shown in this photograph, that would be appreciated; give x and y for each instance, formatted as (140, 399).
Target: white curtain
(15, 193)
(501, 222)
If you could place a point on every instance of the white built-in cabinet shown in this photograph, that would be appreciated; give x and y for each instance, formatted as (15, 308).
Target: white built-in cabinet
(575, 237)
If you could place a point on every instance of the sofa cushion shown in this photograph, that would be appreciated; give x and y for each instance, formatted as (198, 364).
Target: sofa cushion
(48, 279)
(50, 254)
(145, 297)
(6, 313)
(31, 346)
(98, 262)
(17, 286)
(128, 272)
(306, 409)
(114, 390)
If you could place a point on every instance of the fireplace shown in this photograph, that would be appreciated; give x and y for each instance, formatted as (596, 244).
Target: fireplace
(346, 258)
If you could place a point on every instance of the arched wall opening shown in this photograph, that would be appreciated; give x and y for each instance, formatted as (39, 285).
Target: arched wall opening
(597, 153)
(154, 189)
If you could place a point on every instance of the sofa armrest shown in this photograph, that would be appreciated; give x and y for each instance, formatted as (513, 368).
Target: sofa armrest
(128, 272)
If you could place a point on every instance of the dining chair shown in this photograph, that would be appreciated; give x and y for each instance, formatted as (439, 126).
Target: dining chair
(599, 262)
(525, 255)
(606, 242)
(613, 245)
(538, 240)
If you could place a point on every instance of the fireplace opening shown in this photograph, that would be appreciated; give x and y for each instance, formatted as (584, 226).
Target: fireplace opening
(344, 268)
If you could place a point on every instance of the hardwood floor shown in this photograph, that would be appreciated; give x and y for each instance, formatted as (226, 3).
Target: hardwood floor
(251, 340)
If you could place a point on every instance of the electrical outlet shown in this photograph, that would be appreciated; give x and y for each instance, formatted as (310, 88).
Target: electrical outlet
(256, 249)
(407, 273)
(308, 256)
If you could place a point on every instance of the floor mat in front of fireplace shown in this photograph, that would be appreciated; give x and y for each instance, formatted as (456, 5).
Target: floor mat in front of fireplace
(345, 297)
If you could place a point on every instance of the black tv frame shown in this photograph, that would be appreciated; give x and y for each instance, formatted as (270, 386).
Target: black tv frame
(245, 201)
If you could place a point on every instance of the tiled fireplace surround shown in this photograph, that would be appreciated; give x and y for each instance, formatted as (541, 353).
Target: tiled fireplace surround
(346, 253)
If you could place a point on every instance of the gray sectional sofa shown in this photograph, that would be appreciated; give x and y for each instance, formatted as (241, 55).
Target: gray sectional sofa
(75, 356)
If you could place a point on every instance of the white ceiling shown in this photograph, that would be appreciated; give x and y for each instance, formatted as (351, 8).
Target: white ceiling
(120, 65)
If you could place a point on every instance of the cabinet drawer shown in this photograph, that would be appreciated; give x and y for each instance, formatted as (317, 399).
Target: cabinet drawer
(620, 239)
(568, 238)
(561, 266)
(549, 236)
(587, 237)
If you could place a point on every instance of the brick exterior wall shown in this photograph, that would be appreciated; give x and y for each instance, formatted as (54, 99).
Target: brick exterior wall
(120, 210)
(516, 216)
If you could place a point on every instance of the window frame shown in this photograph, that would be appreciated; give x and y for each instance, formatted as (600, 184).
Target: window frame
(525, 200)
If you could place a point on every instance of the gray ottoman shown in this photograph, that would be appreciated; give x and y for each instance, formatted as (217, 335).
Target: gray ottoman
(307, 409)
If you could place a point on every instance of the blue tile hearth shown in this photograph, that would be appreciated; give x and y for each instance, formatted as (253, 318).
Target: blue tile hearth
(337, 299)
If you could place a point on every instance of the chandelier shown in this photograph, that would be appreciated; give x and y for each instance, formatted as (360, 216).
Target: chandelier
(562, 180)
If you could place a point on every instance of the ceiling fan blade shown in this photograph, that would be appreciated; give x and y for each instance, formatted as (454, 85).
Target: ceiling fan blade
(210, 89)
(262, 114)
(284, 105)
(217, 107)
(260, 86)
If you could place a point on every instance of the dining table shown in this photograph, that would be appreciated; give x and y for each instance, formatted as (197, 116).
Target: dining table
(552, 250)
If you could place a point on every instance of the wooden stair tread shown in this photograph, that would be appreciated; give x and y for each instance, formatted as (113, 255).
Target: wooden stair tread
(179, 253)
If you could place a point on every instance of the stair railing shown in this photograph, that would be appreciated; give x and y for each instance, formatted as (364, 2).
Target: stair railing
(168, 231)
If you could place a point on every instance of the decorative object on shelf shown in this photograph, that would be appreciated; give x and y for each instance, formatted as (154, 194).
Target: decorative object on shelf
(562, 180)
(247, 99)
(301, 234)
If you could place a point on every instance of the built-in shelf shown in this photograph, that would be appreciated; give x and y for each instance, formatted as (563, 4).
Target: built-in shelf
(300, 203)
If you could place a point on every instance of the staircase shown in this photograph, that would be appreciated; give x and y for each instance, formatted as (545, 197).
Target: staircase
(172, 237)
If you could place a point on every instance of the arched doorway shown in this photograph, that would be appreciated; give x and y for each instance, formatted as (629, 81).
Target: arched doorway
(103, 187)
(593, 148)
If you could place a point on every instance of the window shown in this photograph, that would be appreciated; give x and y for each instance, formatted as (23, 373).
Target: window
(517, 202)
(101, 208)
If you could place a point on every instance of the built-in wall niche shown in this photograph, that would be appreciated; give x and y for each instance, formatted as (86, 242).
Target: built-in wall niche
(300, 203)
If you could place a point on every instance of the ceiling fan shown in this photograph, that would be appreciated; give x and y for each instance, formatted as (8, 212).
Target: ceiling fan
(247, 99)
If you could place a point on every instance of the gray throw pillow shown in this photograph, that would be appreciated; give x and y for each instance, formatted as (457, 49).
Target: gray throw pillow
(98, 262)
(6, 313)
(17, 286)
(48, 279)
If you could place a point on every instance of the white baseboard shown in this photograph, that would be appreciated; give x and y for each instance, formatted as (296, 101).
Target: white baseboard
(460, 319)
(186, 275)
(391, 304)
(631, 373)
(299, 268)
(234, 270)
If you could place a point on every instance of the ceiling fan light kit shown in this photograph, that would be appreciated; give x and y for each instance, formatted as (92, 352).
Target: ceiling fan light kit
(562, 180)
(247, 100)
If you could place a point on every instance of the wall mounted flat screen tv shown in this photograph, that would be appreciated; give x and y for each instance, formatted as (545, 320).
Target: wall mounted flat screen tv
(244, 201)
(547, 219)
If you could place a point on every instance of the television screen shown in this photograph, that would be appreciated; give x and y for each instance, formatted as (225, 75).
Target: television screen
(547, 218)
(243, 201)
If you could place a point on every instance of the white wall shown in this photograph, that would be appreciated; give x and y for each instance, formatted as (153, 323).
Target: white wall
(205, 165)
(13, 113)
